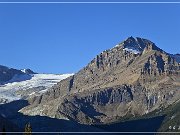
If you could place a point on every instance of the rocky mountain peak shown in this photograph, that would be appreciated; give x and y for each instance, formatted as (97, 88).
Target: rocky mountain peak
(133, 78)
(139, 45)
(28, 71)
(9, 75)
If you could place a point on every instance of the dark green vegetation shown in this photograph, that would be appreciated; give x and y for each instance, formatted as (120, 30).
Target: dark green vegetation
(28, 129)
(5, 128)
(160, 120)
(172, 119)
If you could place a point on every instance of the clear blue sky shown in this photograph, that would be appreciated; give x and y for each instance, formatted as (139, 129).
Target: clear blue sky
(63, 38)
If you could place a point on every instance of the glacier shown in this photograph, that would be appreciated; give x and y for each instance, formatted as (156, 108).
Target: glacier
(14, 88)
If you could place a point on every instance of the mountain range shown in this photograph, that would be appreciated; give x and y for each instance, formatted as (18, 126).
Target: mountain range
(133, 80)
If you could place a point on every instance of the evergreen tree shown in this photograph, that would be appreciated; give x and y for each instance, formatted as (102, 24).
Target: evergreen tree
(28, 129)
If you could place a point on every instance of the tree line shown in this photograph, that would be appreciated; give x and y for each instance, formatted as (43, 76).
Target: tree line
(27, 130)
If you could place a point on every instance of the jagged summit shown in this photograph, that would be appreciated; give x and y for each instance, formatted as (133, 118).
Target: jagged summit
(28, 71)
(138, 45)
(8, 75)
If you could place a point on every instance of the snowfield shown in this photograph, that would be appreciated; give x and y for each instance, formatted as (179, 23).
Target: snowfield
(27, 85)
(132, 50)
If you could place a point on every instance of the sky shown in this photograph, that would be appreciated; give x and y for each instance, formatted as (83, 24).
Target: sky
(63, 38)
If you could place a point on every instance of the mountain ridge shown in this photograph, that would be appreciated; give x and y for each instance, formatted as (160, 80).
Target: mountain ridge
(6, 74)
(119, 79)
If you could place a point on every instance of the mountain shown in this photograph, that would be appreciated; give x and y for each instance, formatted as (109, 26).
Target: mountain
(21, 84)
(11, 75)
(28, 71)
(130, 80)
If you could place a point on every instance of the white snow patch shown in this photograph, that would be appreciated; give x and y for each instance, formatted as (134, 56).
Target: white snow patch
(115, 46)
(43, 91)
(173, 117)
(132, 50)
(23, 70)
(32, 93)
(147, 111)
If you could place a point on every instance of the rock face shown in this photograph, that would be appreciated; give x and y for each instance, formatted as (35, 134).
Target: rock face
(133, 78)
(7, 74)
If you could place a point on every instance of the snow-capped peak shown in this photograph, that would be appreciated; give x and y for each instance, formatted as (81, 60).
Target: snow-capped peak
(23, 70)
(27, 71)
(131, 45)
